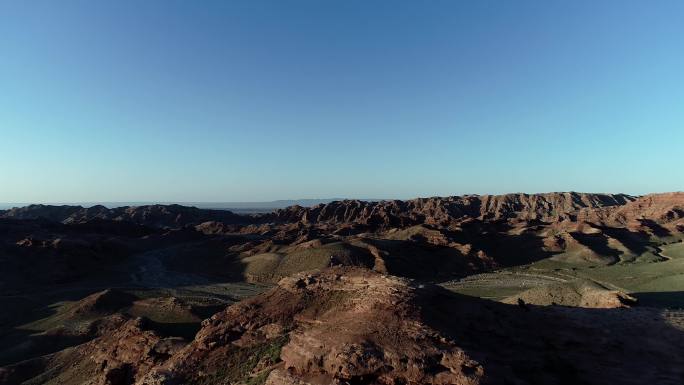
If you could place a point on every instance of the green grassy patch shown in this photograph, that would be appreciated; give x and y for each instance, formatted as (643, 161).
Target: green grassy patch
(655, 278)
(270, 267)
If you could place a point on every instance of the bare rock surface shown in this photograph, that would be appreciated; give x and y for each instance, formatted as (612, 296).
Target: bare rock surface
(355, 326)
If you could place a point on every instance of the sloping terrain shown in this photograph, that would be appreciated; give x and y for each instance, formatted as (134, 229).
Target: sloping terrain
(81, 282)
(356, 326)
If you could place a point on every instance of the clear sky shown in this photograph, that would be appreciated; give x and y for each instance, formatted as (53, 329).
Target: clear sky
(258, 100)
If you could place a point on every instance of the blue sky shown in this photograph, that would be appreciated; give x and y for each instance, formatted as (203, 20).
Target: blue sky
(260, 100)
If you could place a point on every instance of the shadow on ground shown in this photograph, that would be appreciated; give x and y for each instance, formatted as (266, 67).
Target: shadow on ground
(663, 299)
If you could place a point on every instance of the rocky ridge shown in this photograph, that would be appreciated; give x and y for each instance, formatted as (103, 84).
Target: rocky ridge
(392, 213)
(171, 216)
(443, 211)
(354, 326)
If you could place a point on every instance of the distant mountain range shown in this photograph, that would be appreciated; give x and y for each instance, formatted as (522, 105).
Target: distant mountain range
(238, 207)
(435, 211)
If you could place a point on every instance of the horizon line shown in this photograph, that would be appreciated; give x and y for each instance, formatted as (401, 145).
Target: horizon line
(168, 202)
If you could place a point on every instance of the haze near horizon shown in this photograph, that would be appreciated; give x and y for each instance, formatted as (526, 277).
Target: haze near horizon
(172, 101)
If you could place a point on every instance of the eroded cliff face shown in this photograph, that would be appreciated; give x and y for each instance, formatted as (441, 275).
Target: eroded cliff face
(547, 207)
(656, 209)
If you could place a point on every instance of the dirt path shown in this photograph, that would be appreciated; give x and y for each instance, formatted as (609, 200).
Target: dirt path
(149, 271)
(145, 270)
(659, 252)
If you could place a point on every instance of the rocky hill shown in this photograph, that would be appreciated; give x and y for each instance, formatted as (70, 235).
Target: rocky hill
(352, 326)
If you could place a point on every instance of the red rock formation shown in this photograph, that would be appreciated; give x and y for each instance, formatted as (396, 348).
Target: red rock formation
(442, 211)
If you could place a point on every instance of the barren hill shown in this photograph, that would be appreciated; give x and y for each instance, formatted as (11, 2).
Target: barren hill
(355, 326)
